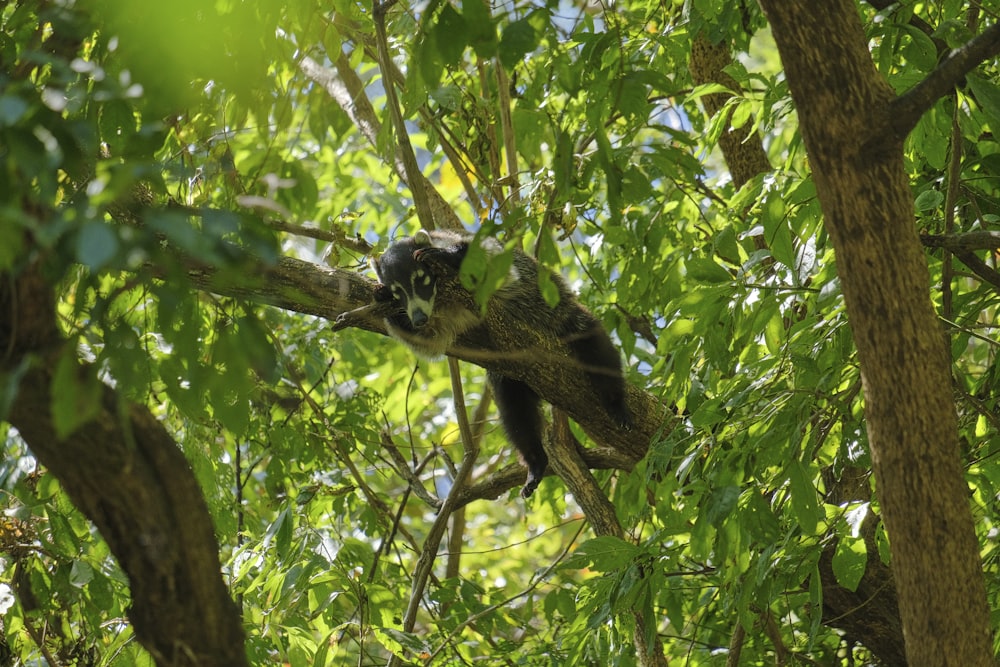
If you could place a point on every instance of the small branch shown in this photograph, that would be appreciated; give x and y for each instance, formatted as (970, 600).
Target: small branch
(951, 201)
(335, 236)
(736, 645)
(979, 267)
(963, 246)
(914, 20)
(507, 130)
(982, 240)
(345, 87)
(567, 461)
(429, 551)
(532, 585)
(906, 110)
(412, 476)
(410, 166)
(773, 633)
(456, 538)
(29, 604)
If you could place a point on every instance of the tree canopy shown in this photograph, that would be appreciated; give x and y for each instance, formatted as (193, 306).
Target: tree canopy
(784, 216)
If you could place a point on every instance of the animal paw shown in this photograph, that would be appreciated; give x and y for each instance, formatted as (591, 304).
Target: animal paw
(536, 471)
(621, 416)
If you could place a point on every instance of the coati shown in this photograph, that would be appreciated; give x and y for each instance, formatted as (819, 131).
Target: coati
(420, 274)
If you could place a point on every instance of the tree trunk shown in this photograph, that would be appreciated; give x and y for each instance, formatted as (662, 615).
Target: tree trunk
(127, 475)
(845, 115)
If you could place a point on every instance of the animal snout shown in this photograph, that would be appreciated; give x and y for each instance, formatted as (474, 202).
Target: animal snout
(419, 318)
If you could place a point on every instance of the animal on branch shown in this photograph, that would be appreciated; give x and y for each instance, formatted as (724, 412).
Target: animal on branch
(420, 275)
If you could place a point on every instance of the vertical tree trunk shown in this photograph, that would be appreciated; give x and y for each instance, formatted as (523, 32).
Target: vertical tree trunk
(124, 472)
(844, 111)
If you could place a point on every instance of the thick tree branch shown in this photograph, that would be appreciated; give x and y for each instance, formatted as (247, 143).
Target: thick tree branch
(906, 110)
(743, 151)
(429, 552)
(601, 514)
(978, 267)
(403, 146)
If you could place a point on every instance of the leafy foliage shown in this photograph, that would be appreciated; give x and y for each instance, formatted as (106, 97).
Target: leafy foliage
(139, 143)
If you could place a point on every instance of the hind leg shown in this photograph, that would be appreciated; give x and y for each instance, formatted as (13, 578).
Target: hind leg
(519, 411)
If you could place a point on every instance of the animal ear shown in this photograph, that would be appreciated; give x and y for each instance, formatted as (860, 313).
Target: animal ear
(374, 263)
(422, 238)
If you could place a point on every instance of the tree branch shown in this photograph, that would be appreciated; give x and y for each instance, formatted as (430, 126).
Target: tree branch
(348, 91)
(963, 247)
(418, 186)
(981, 240)
(906, 110)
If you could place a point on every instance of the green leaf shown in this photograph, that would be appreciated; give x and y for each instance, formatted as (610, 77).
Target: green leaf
(80, 574)
(928, 200)
(449, 36)
(480, 29)
(720, 504)
(987, 95)
(758, 519)
(548, 286)
(919, 49)
(707, 270)
(776, 231)
(805, 505)
(403, 644)
(76, 394)
(849, 561)
(96, 244)
(64, 537)
(604, 554)
(280, 532)
(518, 40)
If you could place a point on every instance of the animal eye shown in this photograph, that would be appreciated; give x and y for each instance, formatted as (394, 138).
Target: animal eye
(397, 292)
(422, 278)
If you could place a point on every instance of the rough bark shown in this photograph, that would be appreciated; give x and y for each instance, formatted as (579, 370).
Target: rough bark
(845, 112)
(743, 151)
(127, 475)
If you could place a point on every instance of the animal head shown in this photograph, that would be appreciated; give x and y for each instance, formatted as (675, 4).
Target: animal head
(409, 281)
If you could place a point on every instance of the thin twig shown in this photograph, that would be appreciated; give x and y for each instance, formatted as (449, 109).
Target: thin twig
(535, 582)
(507, 130)
(951, 200)
(429, 551)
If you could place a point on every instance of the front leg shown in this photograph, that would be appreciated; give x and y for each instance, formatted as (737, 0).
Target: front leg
(395, 315)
